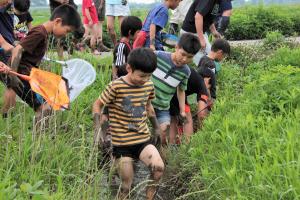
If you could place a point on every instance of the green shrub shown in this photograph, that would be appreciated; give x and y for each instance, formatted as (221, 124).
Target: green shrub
(255, 22)
(274, 40)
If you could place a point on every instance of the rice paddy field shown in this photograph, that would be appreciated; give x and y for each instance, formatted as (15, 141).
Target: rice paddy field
(248, 148)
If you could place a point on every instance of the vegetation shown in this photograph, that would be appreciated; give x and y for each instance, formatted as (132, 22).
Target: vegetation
(248, 148)
(254, 22)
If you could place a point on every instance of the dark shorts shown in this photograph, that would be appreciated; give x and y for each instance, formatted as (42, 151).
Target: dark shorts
(33, 99)
(133, 151)
(174, 107)
(101, 13)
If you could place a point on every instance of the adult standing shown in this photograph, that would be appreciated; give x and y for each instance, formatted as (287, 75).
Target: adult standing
(115, 8)
(200, 19)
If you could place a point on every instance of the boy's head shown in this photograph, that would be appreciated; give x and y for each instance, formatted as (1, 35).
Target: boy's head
(172, 4)
(141, 63)
(21, 6)
(187, 46)
(65, 19)
(130, 26)
(220, 48)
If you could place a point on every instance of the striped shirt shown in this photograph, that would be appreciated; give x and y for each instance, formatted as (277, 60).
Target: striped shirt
(127, 111)
(166, 78)
(120, 54)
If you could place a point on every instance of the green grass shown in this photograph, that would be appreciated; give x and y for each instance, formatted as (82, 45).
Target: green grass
(248, 148)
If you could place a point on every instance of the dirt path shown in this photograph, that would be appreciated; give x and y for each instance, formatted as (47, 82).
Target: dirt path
(259, 42)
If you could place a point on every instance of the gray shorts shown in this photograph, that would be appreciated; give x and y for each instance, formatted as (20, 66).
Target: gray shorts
(117, 10)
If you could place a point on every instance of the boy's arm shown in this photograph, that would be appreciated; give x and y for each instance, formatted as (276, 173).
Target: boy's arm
(5, 45)
(16, 57)
(152, 36)
(181, 100)
(153, 120)
(98, 134)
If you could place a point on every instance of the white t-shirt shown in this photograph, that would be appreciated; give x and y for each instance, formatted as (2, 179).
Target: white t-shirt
(114, 2)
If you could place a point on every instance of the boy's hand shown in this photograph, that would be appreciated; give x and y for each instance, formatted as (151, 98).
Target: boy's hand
(4, 68)
(155, 138)
(217, 35)
(91, 23)
(98, 134)
(182, 118)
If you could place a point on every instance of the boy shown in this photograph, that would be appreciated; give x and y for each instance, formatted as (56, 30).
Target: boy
(207, 68)
(30, 51)
(156, 20)
(172, 74)
(196, 86)
(129, 101)
(90, 21)
(130, 27)
(22, 18)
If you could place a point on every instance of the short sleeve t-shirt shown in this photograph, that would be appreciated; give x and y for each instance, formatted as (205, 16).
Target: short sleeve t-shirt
(158, 16)
(35, 46)
(207, 68)
(127, 111)
(166, 78)
(120, 54)
(21, 22)
(196, 86)
(7, 23)
(207, 8)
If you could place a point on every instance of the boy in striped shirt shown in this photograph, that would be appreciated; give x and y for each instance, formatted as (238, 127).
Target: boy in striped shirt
(128, 99)
(171, 76)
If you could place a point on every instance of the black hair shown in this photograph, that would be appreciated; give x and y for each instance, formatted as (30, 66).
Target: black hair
(143, 59)
(221, 44)
(78, 33)
(68, 14)
(189, 43)
(130, 25)
(22, 5)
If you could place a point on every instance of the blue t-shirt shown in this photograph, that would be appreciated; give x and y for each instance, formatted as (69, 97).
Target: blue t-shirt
(114, 2)
(7, 23)
(158, 16)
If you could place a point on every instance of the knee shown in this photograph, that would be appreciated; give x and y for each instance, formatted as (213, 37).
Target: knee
(110, 28)
(157, 170)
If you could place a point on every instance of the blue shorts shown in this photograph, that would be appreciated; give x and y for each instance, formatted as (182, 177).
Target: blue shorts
(163, 116)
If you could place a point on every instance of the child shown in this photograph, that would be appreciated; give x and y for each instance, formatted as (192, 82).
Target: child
(90, 21)
(172, 75)
(129, 101)
(196, 86)
(30, 51)
(130, 27)
(22, 18)
(156, 20)
(207, 67)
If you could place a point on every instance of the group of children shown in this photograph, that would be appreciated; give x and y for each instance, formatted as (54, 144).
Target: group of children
(146, 85)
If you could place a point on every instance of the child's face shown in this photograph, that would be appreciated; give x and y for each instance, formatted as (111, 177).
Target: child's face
(137, 77)
(60, 30)
(4, 3)
(173, 4)
(182, 57)
(219, 55)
